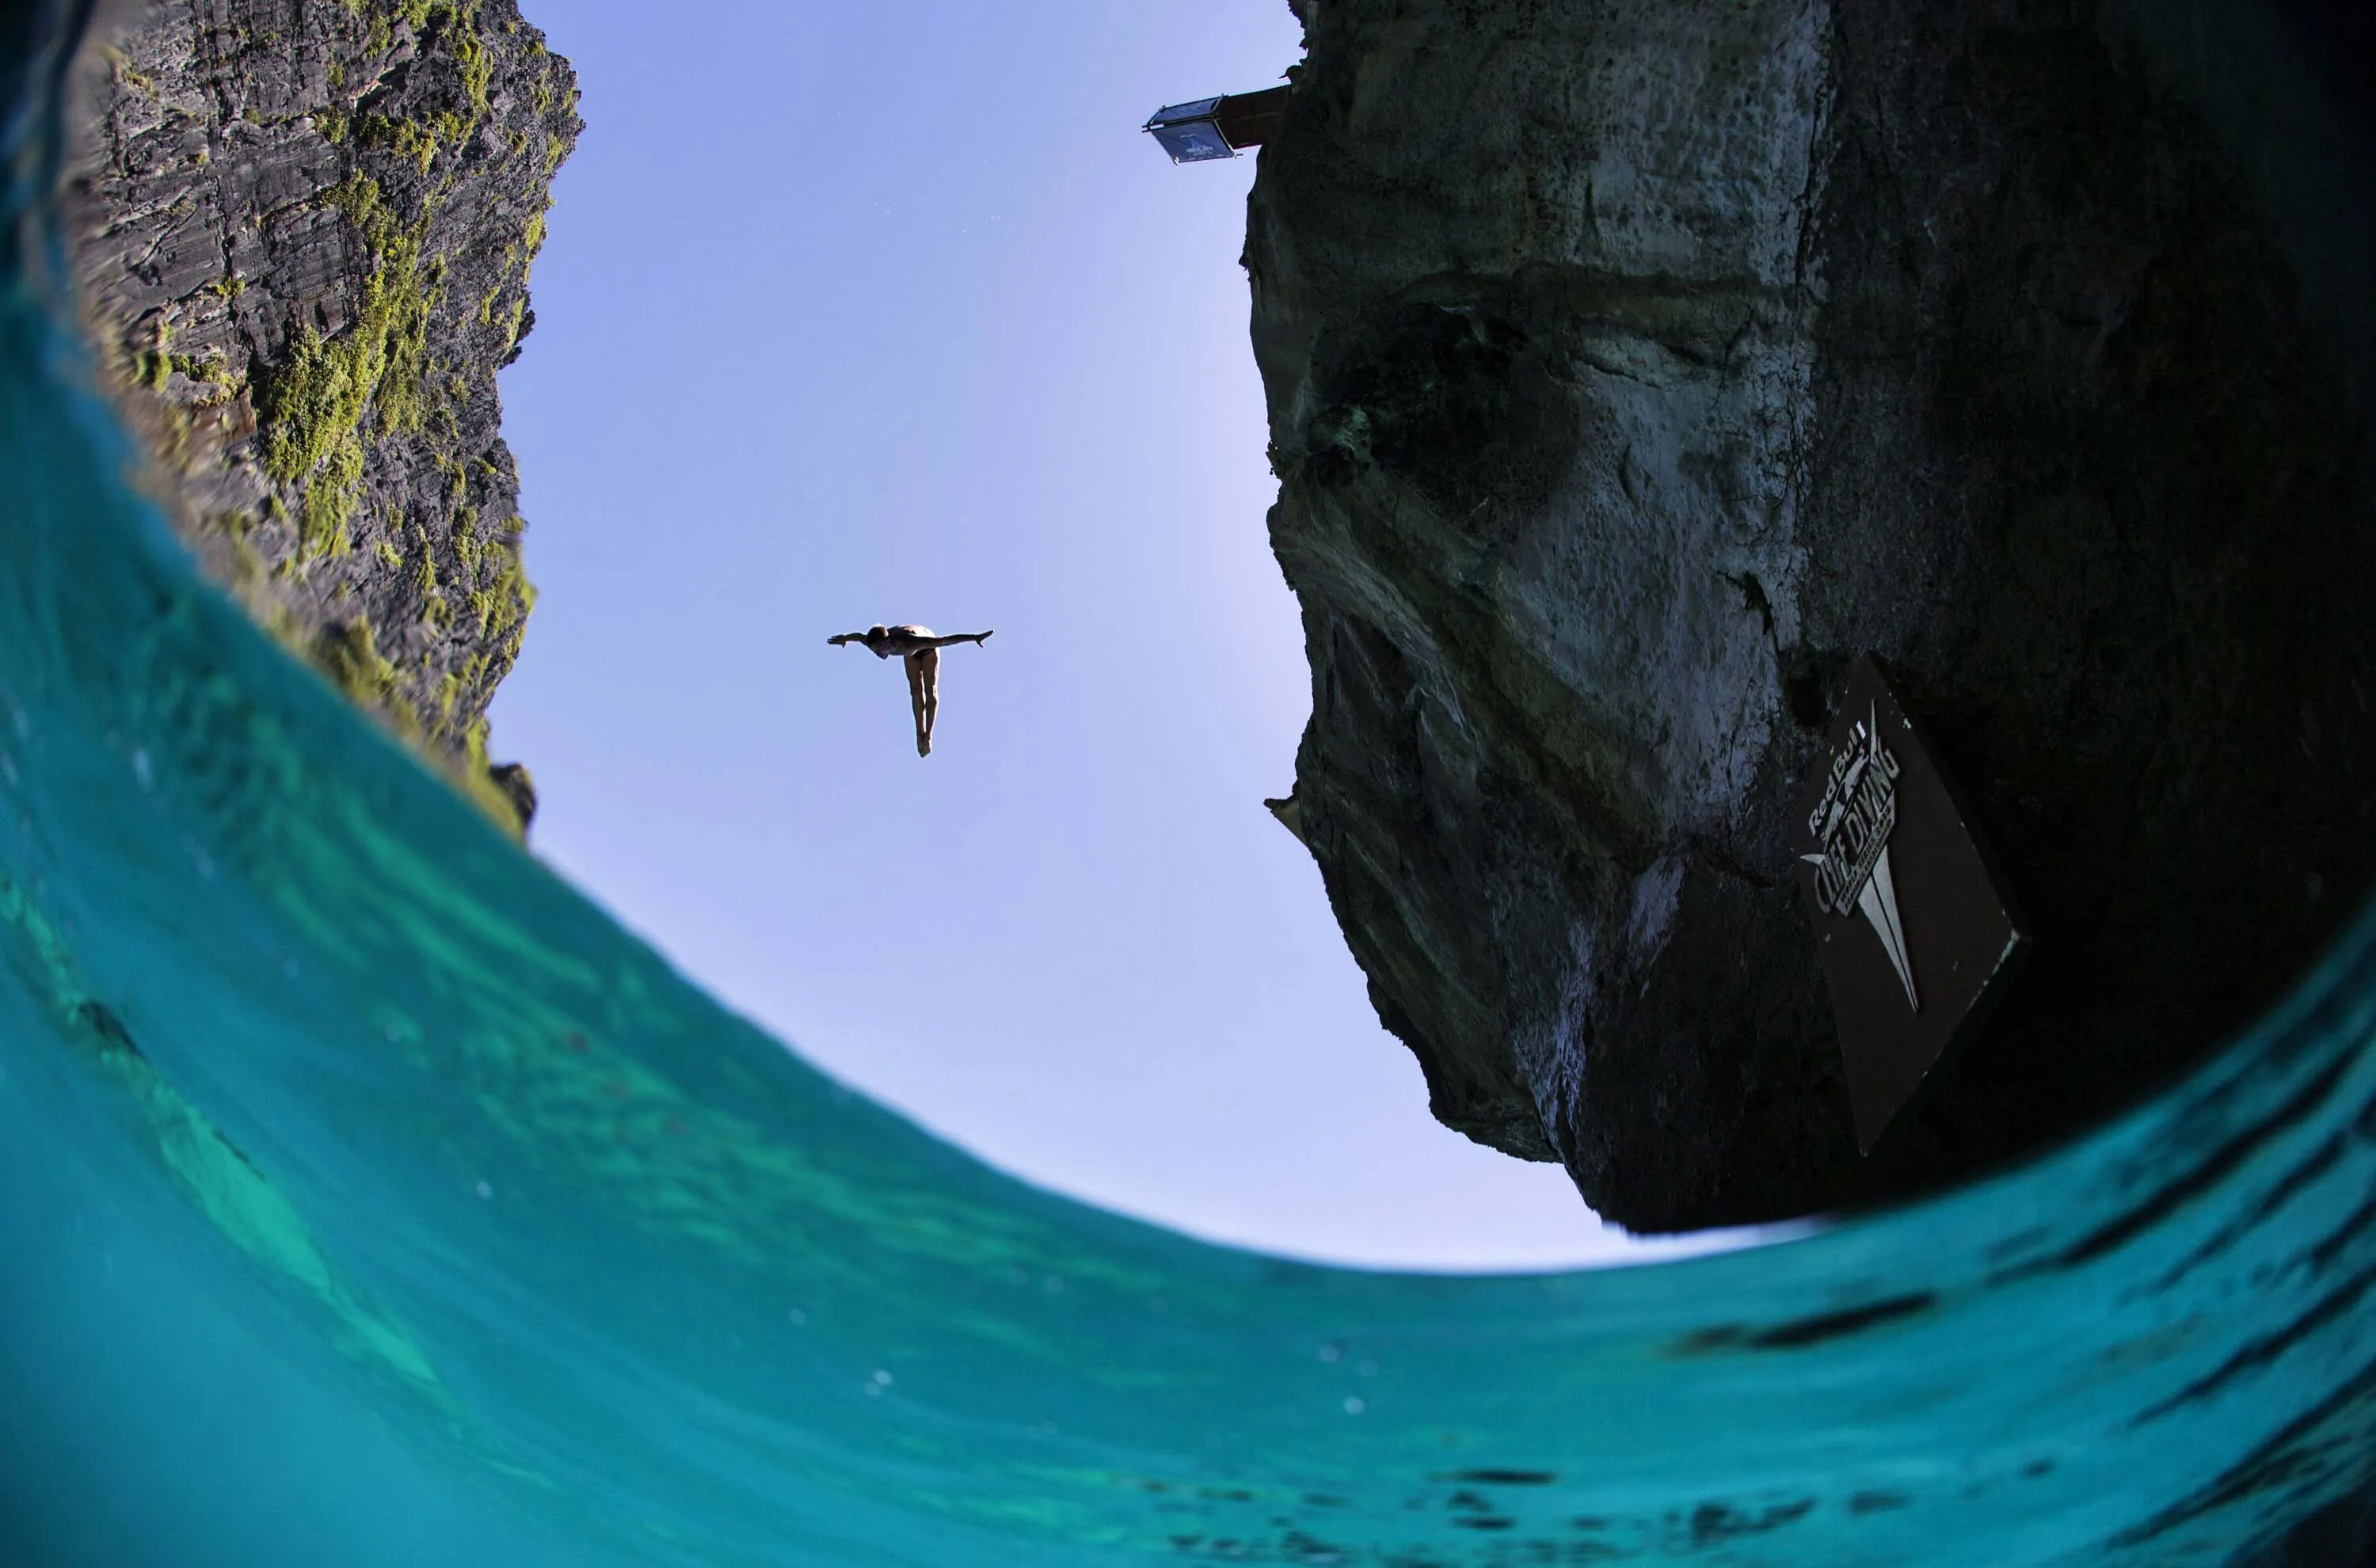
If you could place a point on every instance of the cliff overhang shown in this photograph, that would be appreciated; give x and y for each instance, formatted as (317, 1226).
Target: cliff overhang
(1634, 368)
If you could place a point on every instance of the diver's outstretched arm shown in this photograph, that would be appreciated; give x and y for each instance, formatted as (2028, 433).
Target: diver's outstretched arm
(977, 638)
(847, 637)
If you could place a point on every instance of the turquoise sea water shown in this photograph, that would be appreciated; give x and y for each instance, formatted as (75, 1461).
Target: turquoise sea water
(368, 1197)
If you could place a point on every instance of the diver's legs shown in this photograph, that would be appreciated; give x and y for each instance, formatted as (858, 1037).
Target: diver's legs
(927, 666)
(916, 701)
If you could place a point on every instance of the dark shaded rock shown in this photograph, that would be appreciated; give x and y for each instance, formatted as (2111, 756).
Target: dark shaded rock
(1634, 367)
(301, 235)
(518, 787)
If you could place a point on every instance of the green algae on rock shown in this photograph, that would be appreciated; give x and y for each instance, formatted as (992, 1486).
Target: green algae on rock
(301, 236)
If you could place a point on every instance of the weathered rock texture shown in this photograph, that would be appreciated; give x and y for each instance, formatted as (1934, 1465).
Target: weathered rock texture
(1633, 365)
(302, 233)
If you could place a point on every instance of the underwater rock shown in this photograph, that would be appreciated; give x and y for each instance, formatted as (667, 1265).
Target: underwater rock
(1631, 368)
(301, 236)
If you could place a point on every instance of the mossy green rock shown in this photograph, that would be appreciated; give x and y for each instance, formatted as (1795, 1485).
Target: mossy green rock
(301, 236)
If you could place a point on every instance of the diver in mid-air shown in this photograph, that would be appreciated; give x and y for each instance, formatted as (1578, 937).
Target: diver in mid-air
(921, 652)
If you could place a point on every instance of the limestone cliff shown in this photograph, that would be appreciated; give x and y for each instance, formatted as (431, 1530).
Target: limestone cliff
(302, 233)
(1633, 366)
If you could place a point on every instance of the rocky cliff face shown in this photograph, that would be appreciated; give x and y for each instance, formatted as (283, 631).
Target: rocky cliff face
(302, 235)
(1635, 367)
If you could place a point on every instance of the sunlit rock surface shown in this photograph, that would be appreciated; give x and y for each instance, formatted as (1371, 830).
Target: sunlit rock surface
(301, 235)
(1633, 366)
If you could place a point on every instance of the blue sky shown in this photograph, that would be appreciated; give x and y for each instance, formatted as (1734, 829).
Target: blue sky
(857, 313)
